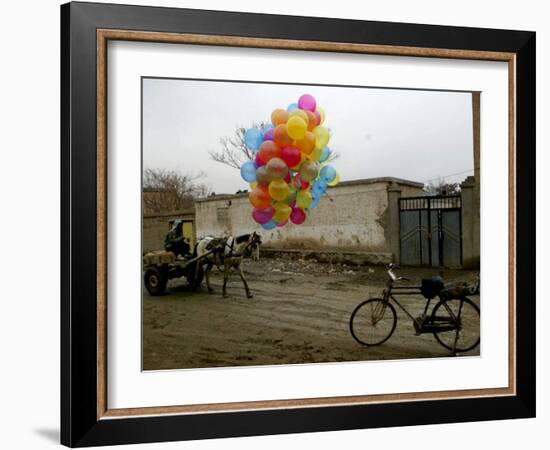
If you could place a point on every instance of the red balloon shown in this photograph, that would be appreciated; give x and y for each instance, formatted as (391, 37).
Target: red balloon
(268, 150)
(288, 178)
(299, 183)
(258, 161)
(290, 155)
(297, 216)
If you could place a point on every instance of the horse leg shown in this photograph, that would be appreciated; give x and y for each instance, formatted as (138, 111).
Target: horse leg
(207, 274)
(226, 268)
(241, 273)
(197, 267)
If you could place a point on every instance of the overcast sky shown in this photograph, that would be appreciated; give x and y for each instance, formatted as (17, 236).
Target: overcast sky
(416, 135)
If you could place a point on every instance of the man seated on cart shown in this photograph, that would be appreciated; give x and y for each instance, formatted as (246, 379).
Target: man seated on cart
(176, 242)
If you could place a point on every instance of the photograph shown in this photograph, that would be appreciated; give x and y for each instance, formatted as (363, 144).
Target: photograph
(303, 223)
(276, 223)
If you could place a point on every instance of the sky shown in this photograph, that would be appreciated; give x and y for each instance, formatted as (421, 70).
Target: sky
(411, 134)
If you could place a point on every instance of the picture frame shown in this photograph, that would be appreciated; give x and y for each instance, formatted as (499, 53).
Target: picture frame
(86, 418)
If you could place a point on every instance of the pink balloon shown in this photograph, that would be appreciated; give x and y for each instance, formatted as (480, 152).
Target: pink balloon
(268, 136)
(297, 216)
(259, 162)
(307, 102)
(282, 224)
(262, 216)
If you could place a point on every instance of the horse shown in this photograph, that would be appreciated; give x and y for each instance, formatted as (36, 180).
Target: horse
(229, 252)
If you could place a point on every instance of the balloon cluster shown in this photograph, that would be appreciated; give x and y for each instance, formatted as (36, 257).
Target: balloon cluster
(289, 173)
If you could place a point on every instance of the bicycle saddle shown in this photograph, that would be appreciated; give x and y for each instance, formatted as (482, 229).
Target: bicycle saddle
(431, 287)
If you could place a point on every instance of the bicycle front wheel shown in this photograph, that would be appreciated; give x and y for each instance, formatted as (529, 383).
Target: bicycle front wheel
(456, 324)
(373, 322)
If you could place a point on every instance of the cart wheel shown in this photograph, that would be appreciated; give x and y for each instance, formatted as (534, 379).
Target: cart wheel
(190, 276)
(155, 281)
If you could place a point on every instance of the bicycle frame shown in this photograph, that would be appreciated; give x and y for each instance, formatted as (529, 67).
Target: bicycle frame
(390, 293)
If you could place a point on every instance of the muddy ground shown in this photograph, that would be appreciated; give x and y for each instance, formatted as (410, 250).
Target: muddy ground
(299, 314)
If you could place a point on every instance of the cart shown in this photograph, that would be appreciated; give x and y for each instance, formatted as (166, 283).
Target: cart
(161, 266)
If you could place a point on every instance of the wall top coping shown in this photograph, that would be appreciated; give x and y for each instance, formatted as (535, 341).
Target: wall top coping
(360, 182)
(181, 212)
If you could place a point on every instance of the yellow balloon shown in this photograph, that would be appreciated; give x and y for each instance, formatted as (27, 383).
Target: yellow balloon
(299, 113)
(296, 127)
(321, 112)
(278, 189)
(303, 199)
(322, 137)
(335, 181)
(316, 154)
(253, 184)
(281, 213)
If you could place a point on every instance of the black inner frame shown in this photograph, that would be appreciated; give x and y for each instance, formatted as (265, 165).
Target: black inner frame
(79, 424)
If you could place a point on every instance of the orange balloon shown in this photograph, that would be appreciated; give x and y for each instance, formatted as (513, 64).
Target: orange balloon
(259, 197)
(311, 120)
(307, 144)
(279, 116)
(268, 150)
(281, 137)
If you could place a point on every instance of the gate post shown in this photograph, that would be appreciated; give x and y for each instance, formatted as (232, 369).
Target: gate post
(470, 224)
(394, 235)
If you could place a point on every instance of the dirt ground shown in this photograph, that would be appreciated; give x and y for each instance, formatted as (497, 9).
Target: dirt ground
(299, 314)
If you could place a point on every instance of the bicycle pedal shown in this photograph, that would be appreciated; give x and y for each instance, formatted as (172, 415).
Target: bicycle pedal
(418, 325)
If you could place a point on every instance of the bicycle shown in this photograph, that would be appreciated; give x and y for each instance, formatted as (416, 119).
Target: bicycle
(454, 320)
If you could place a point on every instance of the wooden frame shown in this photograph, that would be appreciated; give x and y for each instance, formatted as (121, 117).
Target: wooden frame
(86, 418)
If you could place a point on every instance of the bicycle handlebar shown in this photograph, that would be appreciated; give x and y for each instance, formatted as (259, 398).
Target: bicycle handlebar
(393, 266)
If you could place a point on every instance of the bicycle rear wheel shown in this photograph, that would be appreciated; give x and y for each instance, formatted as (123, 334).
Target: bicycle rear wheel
(458, 321)
(373, 322)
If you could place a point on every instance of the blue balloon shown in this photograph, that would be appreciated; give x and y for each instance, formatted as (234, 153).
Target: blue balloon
(269, 225)
(292, 107)
(318, 188)
(325, 154)
(328, 174)
(314, 202)
(253, 138)
(248, 171)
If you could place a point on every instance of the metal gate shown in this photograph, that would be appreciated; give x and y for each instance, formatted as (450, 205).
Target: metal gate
(431, 231)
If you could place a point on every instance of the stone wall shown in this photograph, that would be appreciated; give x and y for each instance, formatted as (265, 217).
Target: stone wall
(356, 217)
(155, 227)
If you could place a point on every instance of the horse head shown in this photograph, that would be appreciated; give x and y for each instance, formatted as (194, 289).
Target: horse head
(254, 245)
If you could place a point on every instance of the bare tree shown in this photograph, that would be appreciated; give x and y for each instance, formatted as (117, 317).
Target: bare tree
(234, 152)
(169, 190)
(440, 187)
